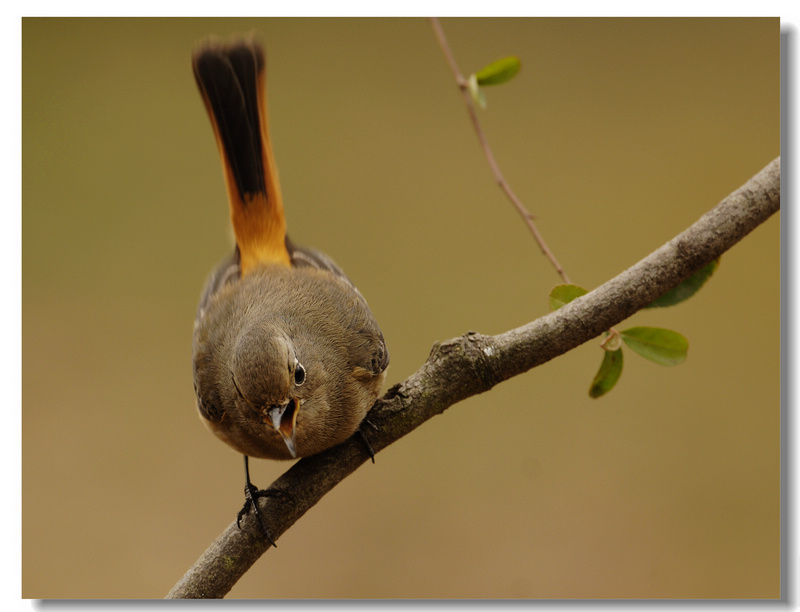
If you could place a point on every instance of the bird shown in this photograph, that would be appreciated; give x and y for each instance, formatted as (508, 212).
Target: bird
(287, 355)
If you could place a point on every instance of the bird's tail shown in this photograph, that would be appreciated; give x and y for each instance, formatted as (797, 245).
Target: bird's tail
(231, 78)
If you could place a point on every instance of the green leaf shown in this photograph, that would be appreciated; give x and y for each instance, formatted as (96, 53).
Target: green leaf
(687, 288)
(498, 72)
(608, 374)
(564, 294)
(663, 346)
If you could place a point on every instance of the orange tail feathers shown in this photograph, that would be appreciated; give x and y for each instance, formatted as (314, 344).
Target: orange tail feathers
(232, 83)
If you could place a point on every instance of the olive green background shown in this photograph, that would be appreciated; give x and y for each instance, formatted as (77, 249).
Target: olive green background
(617, 134)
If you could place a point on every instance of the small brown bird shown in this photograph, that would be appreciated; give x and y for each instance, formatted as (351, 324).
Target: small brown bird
(288, 358)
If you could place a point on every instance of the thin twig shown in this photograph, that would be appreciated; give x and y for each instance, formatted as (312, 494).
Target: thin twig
(526, 215)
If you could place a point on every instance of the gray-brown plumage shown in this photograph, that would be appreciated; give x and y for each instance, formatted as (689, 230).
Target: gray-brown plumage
(287, 360)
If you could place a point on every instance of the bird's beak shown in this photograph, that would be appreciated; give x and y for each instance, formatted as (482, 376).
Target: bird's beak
(284, 420)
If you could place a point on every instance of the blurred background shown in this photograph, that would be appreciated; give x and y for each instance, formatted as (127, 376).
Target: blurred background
(617, 134)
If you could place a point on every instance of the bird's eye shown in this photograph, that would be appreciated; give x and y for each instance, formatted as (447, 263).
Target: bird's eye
(299, 373)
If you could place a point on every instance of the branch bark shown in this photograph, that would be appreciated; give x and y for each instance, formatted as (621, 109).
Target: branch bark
(474, 363)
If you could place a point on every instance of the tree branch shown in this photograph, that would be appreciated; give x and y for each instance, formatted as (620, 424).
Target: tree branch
(474, 363)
